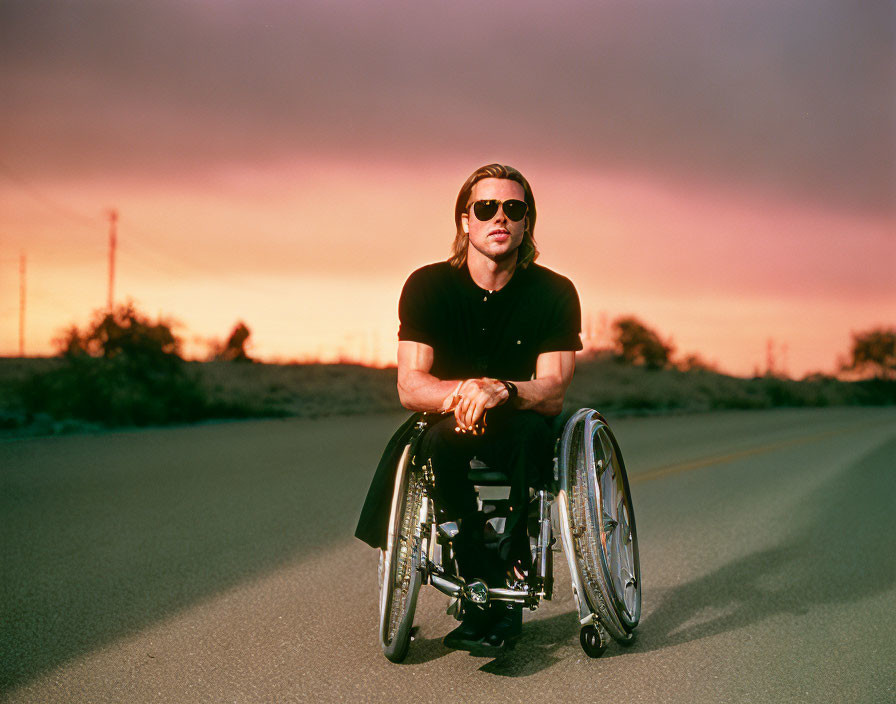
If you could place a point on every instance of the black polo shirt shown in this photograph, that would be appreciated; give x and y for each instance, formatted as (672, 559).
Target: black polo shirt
(499, 334)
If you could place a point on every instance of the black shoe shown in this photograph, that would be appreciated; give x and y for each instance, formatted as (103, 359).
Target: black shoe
(503, 634)
(474, 625)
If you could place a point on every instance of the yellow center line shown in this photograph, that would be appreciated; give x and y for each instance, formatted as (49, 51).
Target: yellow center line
(679, 467)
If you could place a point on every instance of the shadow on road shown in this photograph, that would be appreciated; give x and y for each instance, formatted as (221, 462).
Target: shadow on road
(836, 553)
(533, 652)
(102, 536)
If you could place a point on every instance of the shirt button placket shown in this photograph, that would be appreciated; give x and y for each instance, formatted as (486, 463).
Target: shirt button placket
(482, 362)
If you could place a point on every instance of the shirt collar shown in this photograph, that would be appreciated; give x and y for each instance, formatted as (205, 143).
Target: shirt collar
(466, 281)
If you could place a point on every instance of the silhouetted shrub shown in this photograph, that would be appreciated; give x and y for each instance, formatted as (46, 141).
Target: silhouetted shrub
(116, 391)
(635, 343)
(123, 331)
(123, 369)
(234, 349)
(874, 352)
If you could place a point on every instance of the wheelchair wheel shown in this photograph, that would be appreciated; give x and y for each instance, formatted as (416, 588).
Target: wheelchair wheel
(602, 523)
(400, 562)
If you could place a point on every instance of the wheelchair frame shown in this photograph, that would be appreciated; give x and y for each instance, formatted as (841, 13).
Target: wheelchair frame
(591, 506)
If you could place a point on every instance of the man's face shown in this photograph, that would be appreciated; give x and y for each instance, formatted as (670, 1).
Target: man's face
(499, 237)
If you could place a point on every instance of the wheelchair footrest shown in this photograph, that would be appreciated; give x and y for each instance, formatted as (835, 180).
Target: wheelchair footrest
(457, 588)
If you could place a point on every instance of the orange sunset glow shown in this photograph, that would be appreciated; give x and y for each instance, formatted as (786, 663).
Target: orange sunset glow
(726, 174)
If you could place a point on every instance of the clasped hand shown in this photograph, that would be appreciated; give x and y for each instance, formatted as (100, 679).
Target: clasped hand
(471, 399)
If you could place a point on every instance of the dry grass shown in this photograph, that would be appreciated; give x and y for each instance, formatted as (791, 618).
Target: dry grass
(304, 390)
(240, 390)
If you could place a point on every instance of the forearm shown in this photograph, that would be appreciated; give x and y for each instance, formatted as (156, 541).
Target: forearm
(544, 395)
(421, 391)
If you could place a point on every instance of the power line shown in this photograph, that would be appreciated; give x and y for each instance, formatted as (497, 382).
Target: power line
(137, 249)
(189, 266)
(58, 303)
(148, 257)
(62, 209)
(185, 264)
(124, 249)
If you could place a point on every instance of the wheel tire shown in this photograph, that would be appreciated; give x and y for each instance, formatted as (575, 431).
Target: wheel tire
(400, 563)
(594, 643)
(628, 642)
(594, 481)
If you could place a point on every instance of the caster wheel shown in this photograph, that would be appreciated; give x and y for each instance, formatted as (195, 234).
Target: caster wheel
(593, 641)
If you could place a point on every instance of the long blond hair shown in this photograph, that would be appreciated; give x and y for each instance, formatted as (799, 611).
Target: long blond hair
(528, 252)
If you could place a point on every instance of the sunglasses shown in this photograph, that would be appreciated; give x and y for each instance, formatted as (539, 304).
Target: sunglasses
(514, 209)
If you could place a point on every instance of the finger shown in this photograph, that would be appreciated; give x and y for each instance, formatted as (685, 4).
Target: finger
(477, 409)
(471, 403)
(466, 414)
(460, 411)
(480, 411)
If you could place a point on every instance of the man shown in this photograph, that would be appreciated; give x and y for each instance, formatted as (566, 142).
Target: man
(489, 338)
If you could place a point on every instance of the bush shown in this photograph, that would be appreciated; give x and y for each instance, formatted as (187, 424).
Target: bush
(874, 352)
(625, 389)
(123, 369)
(116, 391)
(122, 332)
(635, 343)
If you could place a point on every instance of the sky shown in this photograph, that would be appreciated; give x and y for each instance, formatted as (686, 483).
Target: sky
(724, 170)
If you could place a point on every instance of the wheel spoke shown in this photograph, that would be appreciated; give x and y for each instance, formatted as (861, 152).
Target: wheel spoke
(610, 524)
(403, 555)
(601, 524)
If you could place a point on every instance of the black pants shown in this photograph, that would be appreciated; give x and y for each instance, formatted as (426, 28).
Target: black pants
(520, 443)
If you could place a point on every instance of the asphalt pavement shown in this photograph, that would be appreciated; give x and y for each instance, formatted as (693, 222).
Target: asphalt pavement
(216, 563)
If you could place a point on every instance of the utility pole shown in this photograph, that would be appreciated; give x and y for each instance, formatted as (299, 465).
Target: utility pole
(22, 304)
(113, 242)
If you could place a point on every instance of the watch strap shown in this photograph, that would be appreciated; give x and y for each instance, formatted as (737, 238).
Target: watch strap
(512, 391)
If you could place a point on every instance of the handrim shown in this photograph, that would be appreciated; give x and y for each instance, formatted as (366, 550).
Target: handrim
(601, 522)
(400, 575)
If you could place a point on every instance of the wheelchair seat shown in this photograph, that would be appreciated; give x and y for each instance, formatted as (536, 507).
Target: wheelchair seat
(483, 475)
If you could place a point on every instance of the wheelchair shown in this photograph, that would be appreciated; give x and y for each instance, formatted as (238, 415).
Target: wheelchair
(587, 505)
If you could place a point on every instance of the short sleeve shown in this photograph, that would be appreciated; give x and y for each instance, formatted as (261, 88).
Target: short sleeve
(415, 313)
(564, 324)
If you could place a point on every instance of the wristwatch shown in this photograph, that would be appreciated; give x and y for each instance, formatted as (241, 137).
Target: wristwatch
(512, 391)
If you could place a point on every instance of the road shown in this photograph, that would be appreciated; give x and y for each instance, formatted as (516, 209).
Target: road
(216, 563)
